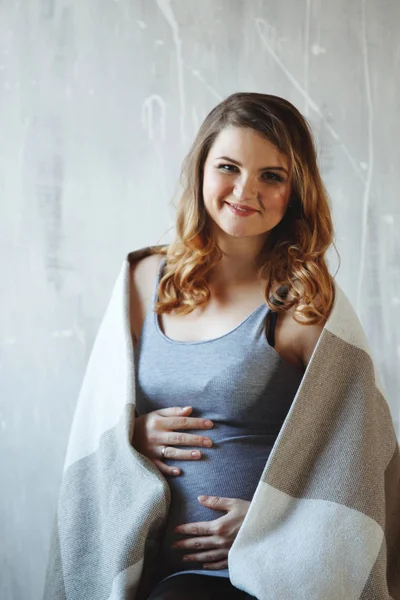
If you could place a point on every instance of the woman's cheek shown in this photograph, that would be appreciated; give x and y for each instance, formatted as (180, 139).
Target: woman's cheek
(214, 188)
(277, 201)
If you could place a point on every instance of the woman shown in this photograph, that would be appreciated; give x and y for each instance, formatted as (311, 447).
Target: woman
(240, 298)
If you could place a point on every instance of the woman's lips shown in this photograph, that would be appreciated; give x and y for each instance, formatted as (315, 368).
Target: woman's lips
(241, 211)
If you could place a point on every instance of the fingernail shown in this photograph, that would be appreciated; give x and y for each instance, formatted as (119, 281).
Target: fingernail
(208, 423)
(175, 471)
(186, 408)
(185, 558)
(195, 453)
(207, 442)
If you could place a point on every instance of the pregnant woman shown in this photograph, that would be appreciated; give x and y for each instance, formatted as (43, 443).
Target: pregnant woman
(224, 321)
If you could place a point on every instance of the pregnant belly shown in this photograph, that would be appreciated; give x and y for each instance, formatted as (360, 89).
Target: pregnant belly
(231, 468)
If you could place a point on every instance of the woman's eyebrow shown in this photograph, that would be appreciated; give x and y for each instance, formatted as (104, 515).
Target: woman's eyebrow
(236, 162)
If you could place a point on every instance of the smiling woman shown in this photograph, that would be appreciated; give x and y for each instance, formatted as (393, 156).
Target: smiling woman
(241, 370)
(226, 306)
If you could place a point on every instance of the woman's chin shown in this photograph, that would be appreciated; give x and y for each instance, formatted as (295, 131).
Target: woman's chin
(237, 230)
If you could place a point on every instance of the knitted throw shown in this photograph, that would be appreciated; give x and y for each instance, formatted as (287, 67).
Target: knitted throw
(324, 522)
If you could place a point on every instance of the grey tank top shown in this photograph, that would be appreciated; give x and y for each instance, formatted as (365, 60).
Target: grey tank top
(239, 382)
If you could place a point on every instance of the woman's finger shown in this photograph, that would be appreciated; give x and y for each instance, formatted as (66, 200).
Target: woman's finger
(214, 566)
(209, 556)
(210, 542)
(183, 422)
(186, 439)
(178, 454)
(174, 411)
(166, 469)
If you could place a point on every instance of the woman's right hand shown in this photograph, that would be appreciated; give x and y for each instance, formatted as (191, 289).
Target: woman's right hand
(160, 428)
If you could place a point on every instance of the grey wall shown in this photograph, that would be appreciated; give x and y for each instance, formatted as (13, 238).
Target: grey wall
(99, 100)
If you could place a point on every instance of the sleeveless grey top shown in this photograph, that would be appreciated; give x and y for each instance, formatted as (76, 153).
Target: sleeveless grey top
(239, 382)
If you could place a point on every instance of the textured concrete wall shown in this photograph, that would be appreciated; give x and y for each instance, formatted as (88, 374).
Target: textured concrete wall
(99, 101)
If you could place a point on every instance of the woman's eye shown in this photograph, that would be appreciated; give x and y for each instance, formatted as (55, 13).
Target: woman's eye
(271, 176)
(227, 168)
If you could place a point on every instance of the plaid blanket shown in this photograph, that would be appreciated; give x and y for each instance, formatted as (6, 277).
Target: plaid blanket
(324, 522)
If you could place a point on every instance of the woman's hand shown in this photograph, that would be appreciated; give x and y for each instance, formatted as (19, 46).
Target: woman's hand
(160, 429)
(211, 541)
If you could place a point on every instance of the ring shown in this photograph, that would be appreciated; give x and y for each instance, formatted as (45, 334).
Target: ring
(163, 451)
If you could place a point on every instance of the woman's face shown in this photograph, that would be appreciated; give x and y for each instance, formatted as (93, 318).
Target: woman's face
(244, 169)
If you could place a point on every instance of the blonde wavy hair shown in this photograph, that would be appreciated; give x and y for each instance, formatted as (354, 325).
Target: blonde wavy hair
(292, 261)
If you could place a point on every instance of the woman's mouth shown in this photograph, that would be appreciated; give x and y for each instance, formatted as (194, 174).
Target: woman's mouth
(241, 211)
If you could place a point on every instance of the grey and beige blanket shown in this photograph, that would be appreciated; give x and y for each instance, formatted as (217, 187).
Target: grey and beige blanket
(324, 522)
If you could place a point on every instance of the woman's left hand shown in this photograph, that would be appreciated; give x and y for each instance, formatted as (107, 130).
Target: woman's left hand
(212, 540)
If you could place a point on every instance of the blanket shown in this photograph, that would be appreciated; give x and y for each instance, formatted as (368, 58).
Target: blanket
(324, 521)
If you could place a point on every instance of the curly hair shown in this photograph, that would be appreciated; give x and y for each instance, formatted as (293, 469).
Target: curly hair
(292, 261)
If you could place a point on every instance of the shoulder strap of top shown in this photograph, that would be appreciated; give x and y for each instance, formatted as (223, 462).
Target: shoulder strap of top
(272, 316)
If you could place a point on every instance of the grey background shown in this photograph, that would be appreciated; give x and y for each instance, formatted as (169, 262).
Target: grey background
(99, 101)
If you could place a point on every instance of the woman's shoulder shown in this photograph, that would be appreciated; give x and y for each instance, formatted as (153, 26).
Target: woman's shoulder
(143, 273)
(295, 340)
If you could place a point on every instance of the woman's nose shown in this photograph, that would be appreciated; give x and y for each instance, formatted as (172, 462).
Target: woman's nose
(245, 190)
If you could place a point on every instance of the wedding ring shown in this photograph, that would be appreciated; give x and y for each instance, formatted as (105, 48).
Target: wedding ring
(163, 451)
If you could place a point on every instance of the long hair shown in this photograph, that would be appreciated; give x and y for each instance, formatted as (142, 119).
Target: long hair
(292, 261)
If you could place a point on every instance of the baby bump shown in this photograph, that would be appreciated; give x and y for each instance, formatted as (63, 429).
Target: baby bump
(231, 468)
